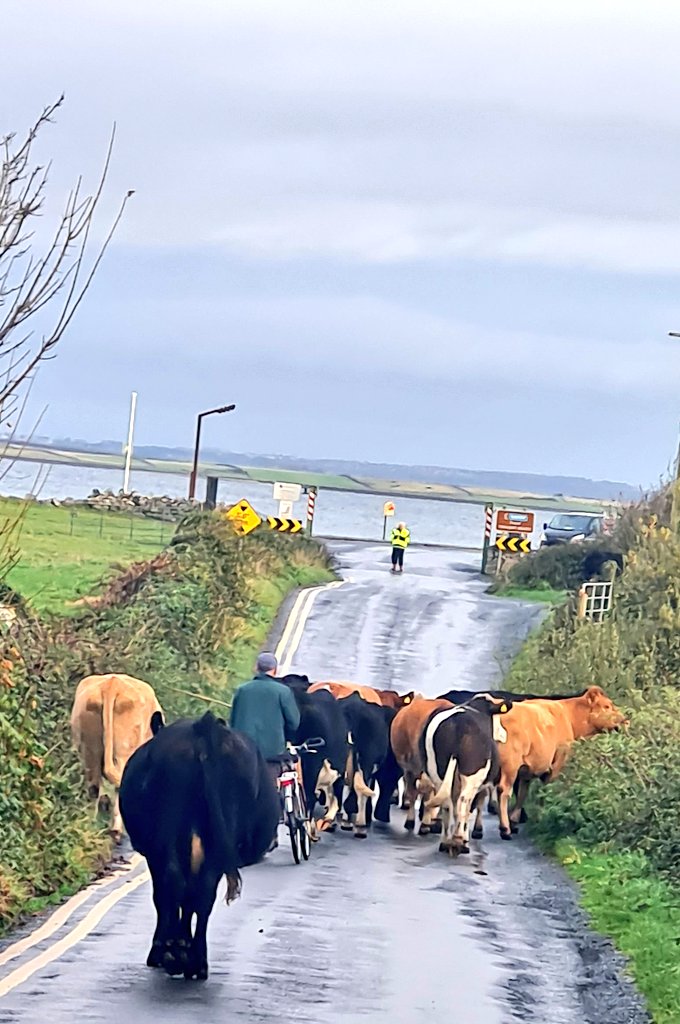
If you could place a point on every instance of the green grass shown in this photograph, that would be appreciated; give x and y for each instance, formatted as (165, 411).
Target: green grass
(544, 594)
(641, 913)
(63, 558)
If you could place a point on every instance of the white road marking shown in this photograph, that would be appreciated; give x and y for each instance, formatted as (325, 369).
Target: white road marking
(21, 974)
(64, 912)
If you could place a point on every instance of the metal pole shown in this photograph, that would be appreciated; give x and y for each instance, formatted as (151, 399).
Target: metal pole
(194, 470)
(488, 523)
(385, 528)
(128, 447)
(197, 443)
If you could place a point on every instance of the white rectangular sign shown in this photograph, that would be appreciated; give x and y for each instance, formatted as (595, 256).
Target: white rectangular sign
(285, 510)
(287, 492)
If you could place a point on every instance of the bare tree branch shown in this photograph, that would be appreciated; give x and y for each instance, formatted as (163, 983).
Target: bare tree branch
(40, 292)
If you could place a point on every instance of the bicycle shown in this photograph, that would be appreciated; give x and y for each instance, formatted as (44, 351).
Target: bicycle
(292, 794)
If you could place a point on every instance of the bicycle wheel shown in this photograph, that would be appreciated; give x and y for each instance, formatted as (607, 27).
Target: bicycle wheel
(294, 833)
(303, 824)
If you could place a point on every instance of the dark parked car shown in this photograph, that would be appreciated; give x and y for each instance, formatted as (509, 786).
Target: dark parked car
(571, 526)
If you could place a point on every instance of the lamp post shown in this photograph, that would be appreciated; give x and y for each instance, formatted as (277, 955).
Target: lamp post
(199, 424)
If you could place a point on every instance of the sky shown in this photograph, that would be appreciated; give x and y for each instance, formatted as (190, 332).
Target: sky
(405, 232)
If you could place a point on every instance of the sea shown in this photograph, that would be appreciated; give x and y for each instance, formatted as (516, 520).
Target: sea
(338, 514)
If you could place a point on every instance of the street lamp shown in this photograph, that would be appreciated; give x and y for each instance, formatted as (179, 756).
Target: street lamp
(199, 423)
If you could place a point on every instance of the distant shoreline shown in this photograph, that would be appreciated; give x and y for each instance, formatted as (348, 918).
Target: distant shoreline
(324, 481)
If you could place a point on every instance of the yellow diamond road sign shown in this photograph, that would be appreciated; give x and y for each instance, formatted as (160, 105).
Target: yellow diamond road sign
(244, 518)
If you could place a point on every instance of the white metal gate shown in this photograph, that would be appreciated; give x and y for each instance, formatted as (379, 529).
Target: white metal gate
(595, 600)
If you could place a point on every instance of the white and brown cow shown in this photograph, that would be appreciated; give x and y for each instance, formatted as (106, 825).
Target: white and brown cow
(110, 719)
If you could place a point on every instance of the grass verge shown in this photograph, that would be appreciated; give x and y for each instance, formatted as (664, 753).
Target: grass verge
(609, 815)
(640, 912)
(545, 594)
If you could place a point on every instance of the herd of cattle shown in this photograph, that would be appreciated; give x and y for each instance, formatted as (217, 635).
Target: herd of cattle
(198, 802)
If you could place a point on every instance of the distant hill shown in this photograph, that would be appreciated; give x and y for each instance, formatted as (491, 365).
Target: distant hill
(485, 479)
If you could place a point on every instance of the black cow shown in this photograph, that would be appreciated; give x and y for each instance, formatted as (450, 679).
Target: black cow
(595, 560)
(388, 774)
(368, 726)
(465, 696)
(322, 772)
(198, 802)
(458, 749)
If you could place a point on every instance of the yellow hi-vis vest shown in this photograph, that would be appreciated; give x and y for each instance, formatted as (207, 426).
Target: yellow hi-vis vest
(400, 538)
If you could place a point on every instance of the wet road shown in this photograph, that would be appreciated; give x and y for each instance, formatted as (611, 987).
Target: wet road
(385, 930)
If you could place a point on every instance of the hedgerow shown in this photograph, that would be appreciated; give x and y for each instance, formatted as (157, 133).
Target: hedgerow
(191, 624)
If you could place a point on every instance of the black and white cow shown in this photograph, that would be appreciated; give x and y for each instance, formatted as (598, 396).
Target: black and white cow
(198, 802)
(448, 754)
(323, 771)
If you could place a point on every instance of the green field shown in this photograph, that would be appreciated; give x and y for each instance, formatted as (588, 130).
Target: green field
(64, 556)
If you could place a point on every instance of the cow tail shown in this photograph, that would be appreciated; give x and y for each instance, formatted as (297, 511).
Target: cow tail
(208, 755)
(111, 771)
(446, 788)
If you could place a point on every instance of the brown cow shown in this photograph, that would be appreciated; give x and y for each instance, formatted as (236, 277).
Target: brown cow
(110, 719)
(387, 698)
(340, 690)
(540, 734)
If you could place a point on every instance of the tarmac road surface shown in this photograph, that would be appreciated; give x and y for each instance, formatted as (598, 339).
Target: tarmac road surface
(385, 930)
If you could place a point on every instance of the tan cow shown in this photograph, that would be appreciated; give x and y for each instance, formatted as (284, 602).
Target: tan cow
(540, 734)
(387, 698)
(110, 719)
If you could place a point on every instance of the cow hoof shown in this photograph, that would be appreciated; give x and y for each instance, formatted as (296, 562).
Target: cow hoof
(436, 828)
(478, 833)
(104, 805)
(409, 825)
(446, 848)
(506, 834)
(360, 833)
(405, 805)
(523, 817)
(347, 826)
(425, 830)
(464, 849)
(514, 828)
(199, 973)
(155, 957)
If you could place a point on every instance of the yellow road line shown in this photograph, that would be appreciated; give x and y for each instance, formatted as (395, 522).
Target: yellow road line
(63, 913)
(290, 624)
(22, 973)
(302, 614)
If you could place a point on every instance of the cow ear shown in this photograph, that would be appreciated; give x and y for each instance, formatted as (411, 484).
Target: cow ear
(408, 697)
(592, 693)
(157, 722)
(503, 708)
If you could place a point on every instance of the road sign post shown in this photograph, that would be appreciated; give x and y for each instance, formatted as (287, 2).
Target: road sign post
(388, 511)
(488, 523)
(311, 504)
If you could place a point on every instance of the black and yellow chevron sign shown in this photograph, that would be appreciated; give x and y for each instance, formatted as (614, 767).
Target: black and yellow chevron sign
(284, 525)
(514, 544)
